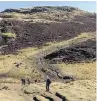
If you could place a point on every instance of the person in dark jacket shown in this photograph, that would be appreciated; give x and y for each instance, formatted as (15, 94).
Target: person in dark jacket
(48, 82)
(28, 81)
(23, 81)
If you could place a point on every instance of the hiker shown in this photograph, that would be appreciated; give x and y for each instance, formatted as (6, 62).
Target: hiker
(35, 81)
(28, 81)
(23, 81)
(48, 82)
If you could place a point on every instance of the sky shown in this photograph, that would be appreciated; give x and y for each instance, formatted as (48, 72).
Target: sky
(89, 6)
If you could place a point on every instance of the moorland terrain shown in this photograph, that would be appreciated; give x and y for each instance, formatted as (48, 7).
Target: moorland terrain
(56, 41)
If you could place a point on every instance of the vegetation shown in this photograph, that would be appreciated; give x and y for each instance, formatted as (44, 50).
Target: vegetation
(57, 13)
(12, 15)
(79, 70)
(41, 9)
(8, 35)
(26, 57)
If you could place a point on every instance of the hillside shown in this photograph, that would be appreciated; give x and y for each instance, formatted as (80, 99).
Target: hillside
(53, 29)
(56, 41)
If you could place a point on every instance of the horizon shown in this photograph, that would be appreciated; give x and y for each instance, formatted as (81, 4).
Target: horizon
(89, 6)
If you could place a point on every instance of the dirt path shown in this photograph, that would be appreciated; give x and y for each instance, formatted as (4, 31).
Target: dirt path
(44, 67)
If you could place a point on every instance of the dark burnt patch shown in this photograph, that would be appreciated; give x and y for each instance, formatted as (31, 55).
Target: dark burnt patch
(85, 51)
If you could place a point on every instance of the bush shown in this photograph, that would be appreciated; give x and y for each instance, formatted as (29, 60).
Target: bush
(9, 35)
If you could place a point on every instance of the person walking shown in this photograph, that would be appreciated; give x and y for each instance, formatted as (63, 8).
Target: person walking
(28, 81)
(23, 81)
(48, 82)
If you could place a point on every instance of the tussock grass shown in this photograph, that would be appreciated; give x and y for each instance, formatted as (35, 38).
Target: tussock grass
(83, 71)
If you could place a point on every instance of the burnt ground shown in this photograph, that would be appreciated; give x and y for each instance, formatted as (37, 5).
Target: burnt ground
(85, 51)
(79, 79)
(38, 34)
(30, 34)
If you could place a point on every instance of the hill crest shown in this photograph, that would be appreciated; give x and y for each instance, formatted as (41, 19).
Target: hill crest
(42, 9)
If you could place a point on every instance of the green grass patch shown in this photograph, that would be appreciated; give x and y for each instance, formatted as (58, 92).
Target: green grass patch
(10, 35)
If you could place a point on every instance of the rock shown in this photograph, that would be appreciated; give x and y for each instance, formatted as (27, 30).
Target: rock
(61, 96)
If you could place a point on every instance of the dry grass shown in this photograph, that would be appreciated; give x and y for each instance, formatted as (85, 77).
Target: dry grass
(7, 62)
(81, 90)
(81, 71)
(52, 47)
(26, 57)
(12, 15)
(46, 16)
(11, 93)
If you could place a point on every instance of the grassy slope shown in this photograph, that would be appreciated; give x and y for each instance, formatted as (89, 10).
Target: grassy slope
(49, 16)
(80, 90)
(79, 70)
(28, 57)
